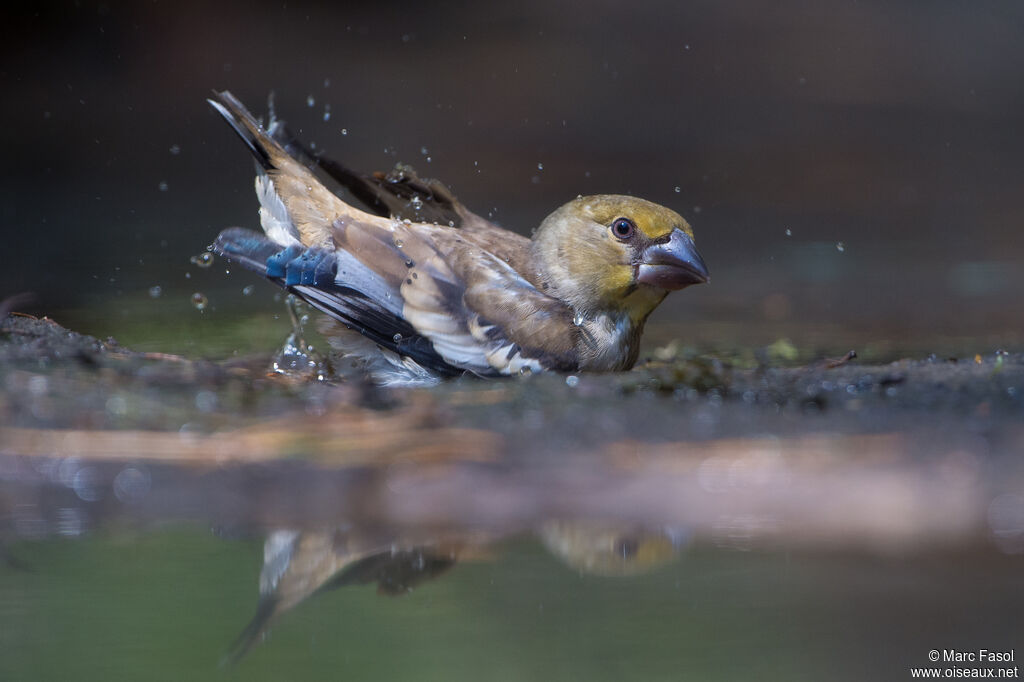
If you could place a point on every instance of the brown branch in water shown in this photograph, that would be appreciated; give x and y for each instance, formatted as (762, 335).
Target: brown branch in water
(832, 363)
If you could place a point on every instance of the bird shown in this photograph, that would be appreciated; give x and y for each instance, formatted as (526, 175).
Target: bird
(417, 288)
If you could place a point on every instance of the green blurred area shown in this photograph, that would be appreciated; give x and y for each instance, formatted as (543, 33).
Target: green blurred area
(165, 605)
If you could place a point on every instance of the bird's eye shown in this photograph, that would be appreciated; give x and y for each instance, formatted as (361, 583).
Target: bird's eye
(623, 228)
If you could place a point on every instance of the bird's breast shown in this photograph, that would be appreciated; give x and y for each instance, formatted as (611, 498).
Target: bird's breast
(608, 343)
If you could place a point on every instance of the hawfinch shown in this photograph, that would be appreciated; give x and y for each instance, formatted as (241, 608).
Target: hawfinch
(419, 288)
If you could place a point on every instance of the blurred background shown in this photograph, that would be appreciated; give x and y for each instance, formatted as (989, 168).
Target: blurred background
(852, 169)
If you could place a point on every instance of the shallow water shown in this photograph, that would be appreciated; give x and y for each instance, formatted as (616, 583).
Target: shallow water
(167, 519)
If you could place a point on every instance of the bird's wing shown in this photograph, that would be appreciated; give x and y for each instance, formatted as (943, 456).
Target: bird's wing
(451, 299)
(416, 291)
(400, 193)
(340, 284)
(462, 299)
(476, 307)
(466, 310)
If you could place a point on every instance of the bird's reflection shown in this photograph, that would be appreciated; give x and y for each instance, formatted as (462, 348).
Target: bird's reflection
(297, 565)
(610, 549)
(301, 564)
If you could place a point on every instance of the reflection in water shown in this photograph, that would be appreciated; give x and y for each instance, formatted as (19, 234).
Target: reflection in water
(297, 565)
(300, 564)
(361, 513)
(610, 549)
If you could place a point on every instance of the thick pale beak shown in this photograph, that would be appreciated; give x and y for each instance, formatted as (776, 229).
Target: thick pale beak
(673, 264)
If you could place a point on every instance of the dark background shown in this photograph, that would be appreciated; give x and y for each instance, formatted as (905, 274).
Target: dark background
(887, 136)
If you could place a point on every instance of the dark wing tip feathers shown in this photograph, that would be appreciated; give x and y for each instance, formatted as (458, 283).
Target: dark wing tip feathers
(356, 311)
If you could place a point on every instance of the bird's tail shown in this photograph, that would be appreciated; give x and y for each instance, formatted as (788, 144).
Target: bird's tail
(254, 631)
(263, 146)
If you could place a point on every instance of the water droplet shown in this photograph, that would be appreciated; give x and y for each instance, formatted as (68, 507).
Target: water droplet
(344, 131)
(424, 151)
(162, 186)
(86, 484)
(572, 381)
(399, 243)
(116, 406)
(416, 202)
(175, 149)
(327, 112)
(840, 247)
(525, 371)
(38, 385)
(203, 260)
(396, 338)
(155, 291)
(247, 291)
(540, 166)
(409, 263)
(789, 232)
(578, 319)
(678, 189)
(199, 301)
(132, 484)
(206, 401)
(310, 101)
(297, 358)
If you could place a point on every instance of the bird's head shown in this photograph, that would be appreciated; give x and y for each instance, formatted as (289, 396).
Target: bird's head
(612, 253)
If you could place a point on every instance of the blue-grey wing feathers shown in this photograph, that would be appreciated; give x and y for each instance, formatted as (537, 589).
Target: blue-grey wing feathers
(312, 273)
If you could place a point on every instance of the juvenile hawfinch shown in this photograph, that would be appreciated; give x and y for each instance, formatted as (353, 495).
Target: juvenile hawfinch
(419, 288)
